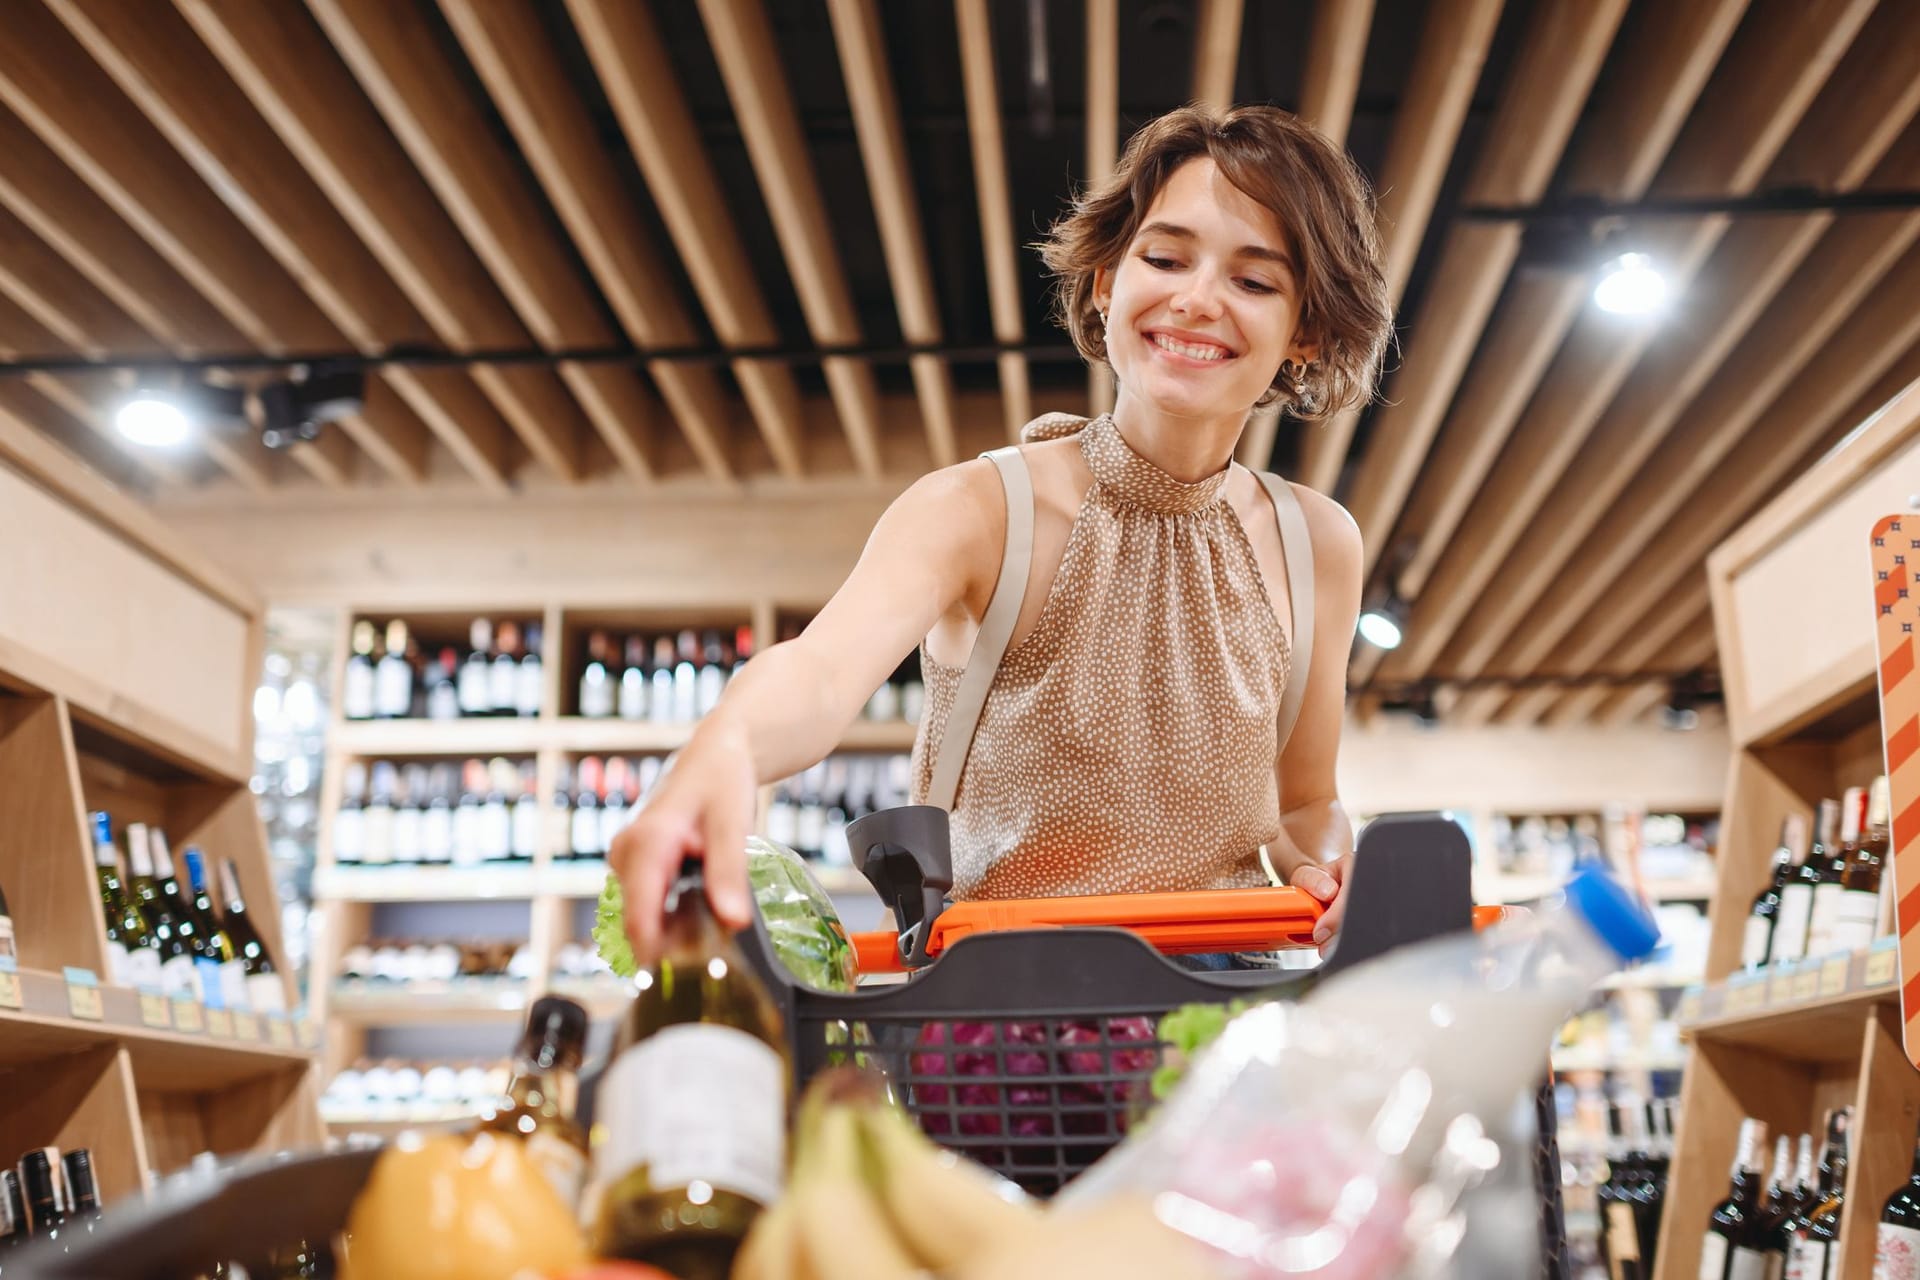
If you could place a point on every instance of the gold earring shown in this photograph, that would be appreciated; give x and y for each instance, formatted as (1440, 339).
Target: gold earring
(1295, 376)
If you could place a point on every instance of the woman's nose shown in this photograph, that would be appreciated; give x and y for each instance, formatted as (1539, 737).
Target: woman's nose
(1199, 295)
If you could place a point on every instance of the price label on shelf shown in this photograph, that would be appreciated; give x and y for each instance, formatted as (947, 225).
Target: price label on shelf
(220, 1024)
(1806, 981)
(246, 1027)
(154, 1011)
(9, 983)
(83, 994)
(1746, 996)
(1780, 985)
(187, 1016)
(1833, 975)
(1883, 964)
(279, 1032)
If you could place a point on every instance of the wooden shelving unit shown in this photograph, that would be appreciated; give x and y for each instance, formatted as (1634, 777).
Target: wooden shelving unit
(554, 888)
(1792, 608)
(126, 679)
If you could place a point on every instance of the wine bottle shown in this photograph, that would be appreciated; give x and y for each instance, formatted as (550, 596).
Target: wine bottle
(1619, 1233)
(783, 818)
(476, 673)
(1896, 1248)
(633, 681)
(686, 679)
(14, 1224)
(660, 687)
(469, 840)
(1637, 1193)
(8, 950)
(1790, 928)
(377, 817)
(539, 1103)
(229, 974)
(585, 834)
(1660, 1126)
(1776, 1207)
(1757, 944)
(443, 686)
(83, 1193)
(560, 819)
(178, 980)
(350, 819)
(596, 681)
(1731, 1249)
(436, 820)
(264, 990)
(1856, 914)
(393, 677)
(680, 1188)
(1833, 872)
(712, 678)
(127, 927)
(613, 811)
(410, 793)
(1816, 1232)
(530, 683)
(356, 684)
(496, 814)
(526, 813)
(194, 928)
(1804, 1194)
(505, 696)
(40, 1186)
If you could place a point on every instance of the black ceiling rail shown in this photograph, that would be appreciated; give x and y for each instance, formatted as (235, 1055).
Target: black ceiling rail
(436, 357)
(1783, 200)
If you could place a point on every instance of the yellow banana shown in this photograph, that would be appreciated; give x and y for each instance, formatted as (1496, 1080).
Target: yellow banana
(770, 1250)
(1119, 1237)
(947, 1211)
(841, 1230)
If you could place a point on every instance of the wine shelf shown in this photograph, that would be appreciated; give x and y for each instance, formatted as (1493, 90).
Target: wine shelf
(572, 735)
(507, 883)
(475, 1000)
(387, 1122)
(1807, 1012)
(1511, 889)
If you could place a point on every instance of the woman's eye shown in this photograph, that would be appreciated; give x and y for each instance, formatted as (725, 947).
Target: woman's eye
(1158, 264)
(1257, 286)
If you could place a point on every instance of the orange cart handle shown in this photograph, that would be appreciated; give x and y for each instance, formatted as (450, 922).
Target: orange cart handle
(1267, 919)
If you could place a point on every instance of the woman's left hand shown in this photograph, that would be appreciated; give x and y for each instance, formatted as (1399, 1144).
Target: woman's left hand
(1328, 883)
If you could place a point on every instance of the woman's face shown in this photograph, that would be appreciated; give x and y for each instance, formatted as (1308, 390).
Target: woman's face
(1203, 307)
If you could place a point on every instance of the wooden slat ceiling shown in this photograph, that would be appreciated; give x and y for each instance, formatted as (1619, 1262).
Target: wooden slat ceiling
(806, 223)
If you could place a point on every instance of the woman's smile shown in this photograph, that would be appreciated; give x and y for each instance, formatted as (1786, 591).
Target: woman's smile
(1189, 349)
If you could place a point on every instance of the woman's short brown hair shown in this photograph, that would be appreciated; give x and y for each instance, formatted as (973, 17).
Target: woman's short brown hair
(1313, 188)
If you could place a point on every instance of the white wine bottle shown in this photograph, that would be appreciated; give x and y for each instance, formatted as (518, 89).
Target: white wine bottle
(692, 1114)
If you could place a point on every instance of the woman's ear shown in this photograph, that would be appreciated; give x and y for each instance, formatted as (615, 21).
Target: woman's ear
(1102, 293)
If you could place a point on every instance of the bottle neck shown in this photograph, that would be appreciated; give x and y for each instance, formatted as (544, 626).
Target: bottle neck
(558, 1084)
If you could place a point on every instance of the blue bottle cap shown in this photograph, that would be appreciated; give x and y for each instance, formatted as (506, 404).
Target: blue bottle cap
(102, 827)
(1614, 913)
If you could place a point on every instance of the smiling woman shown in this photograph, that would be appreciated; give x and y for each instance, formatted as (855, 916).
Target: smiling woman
(1116, 623)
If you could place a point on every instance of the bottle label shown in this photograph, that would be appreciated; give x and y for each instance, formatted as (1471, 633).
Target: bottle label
(356, 698)
(561, 1163)
(1756, 942)
(1896, 1253)
(143, 969)
(393, 688)
(212, 993)
(531, 687)
(1750, 1264)
(496, 832)
(1790, 926)
(179, 980)
(349, 836)
(1713, 1257)
(1806, 1259)
(727, 1124)
(119, 965)
(476, 688)
(1826, 900)
(233, 985)
(526, 828)
(586, 833)
(436, 835)
(265, 993)
(1855, 920)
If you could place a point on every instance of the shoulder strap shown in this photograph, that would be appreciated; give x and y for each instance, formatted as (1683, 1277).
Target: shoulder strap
(1297, 547)
(996, 629)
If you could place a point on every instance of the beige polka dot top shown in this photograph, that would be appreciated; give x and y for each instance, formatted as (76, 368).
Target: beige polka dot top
(1128, 743)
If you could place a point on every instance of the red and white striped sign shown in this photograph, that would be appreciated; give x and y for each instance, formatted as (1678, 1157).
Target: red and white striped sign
(1896, 561)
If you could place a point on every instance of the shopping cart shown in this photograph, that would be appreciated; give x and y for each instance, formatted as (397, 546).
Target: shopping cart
(1024, 1037)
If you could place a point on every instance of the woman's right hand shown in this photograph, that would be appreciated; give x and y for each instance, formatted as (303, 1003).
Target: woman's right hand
(703, 807)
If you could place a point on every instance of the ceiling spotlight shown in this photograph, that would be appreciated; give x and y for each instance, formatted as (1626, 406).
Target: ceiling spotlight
(295, 411)
(153, 419)
(1630, 285)
(1381, 626)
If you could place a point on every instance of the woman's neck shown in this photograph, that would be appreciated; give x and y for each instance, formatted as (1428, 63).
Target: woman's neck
(1188, 449)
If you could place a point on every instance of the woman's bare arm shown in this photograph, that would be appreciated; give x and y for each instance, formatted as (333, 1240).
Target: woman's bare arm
(935, 550)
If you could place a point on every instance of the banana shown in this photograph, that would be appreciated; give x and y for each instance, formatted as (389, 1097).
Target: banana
(770, 1249)
(946, 1210)
(840, 1228)
(1119, 1237)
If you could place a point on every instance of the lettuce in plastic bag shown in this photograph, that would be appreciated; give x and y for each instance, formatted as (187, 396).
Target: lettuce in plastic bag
(800, 918)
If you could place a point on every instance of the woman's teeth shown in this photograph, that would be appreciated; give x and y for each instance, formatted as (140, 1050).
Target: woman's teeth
(1190, 350)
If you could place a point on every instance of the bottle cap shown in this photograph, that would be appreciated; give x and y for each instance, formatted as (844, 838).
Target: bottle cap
(102, 827)
(1622, 923)
(80, 1183)
(558, 1026)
